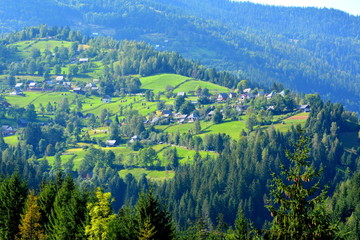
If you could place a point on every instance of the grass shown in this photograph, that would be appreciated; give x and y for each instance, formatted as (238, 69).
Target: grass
(11, 140)
(159, 82)
(25, 47)
(192, 85)
(231, 128)
(292, 121)
(152, 175)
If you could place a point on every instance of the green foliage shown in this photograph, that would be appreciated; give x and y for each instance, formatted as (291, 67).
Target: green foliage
(297, 214)
(12, 200)
(100, 216)
(67, 218)
(31, 227)
(154, 221)
(217, 117)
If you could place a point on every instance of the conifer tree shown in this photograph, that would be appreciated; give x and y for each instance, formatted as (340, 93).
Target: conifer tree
(297, 212)
(153, 218)
(241, 226)
(3, 145)
(12, 200)
(31, 227)
(68, 214)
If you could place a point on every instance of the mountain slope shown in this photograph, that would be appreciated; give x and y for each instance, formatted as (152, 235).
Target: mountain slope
(311, 50)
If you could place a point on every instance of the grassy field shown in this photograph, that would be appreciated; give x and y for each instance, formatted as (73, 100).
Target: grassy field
(292, 121)
(152, 175)
(159, 82)
(25, 47)
(231, 128)
(192, 85)
(11, 140)
(186, 156)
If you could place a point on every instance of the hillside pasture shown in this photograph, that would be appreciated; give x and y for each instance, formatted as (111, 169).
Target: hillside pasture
(192, 85)
(292, 121)
(159, 82)
(152, 175)
(24, 47)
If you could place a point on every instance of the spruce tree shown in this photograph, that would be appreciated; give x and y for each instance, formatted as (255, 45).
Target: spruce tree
(153, 218)
(12, 199)
(31, 227)
(68, 214)
(296, 203)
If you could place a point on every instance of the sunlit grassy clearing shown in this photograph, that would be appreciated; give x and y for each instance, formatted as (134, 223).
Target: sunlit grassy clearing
(159, 82)
(289, 122)
(152, 175)
(12, 140)
(193, 85)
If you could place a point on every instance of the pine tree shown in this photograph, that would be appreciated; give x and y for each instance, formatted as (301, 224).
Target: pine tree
(147, 231)
(67, 217)
(297, 212)
(241, 226)
(148, 208)
(31, 227)
(12, 200)
(197, 127)
(3, 145)
(100, 216)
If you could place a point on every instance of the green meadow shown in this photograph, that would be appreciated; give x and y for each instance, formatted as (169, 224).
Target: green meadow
(25, 47)
(192, 85)
(153, 175)
(159, 82)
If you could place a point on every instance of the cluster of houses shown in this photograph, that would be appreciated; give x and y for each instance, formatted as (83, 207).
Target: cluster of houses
(50, 85)
(246, 94)
(173, 117)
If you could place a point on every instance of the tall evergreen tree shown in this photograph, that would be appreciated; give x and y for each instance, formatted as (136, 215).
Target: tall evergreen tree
(12, 199)
(153, 218)
(297, 213)
(31, 227)
(68, 214)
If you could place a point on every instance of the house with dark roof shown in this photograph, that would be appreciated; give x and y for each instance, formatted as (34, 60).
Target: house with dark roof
(304, 108)
(222, 97)
(106, 99)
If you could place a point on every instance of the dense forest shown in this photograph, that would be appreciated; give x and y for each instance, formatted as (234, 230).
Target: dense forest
(265, 183)
(306, 49)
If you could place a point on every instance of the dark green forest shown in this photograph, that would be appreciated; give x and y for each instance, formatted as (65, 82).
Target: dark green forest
(266, 184)
(307, 49)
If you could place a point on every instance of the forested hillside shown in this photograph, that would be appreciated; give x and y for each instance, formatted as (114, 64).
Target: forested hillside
(308, 49)
(186, 151)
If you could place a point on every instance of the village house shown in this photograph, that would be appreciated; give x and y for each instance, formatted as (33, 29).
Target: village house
(304, 108)
(181, 94)
(247, 90)
(270, 95)
(83, 60)
(17, 91)
(7, 130)
(134, 139)
(59, 78)
(110, 143)
(32, 85)
(106, 99)
(18, 85)
(193, 117)
(78, 90)
(222, 97)
(232, 95)
(90, 85)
